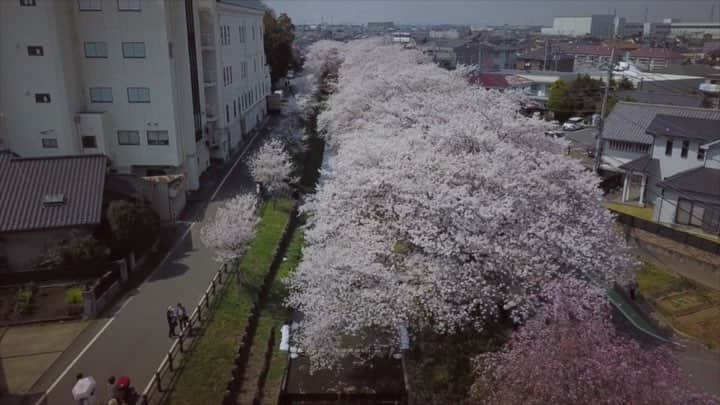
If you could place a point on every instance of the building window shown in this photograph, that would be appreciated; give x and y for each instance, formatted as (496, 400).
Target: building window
(138, 94)
(684, 150)
(255, 64)
(241, 31)
(231, 78)
(128, 5)
(227, 113)
(101, 95)
(96, 50)
(158, 138)
(27, 3)
(170, 50)
(253, 32)
(689, 212)
(234, 109)
(89, 142)
(128, 137)
(42, 97)
(243, 70)
(132, 50)
(90, 5)
(35, 51)
(49, 143)
(668, 148)
(701, 154)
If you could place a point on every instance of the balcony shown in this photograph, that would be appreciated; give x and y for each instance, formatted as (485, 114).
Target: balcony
(710, 88)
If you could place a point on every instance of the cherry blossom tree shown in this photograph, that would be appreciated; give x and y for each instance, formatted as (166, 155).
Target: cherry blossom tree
(569, 353)
(271, 166)
(440, 206)
(232, 229)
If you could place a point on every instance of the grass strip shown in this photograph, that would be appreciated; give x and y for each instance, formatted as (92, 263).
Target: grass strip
(205, 374)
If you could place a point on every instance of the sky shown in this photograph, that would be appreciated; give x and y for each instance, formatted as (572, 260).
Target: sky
(486, 12)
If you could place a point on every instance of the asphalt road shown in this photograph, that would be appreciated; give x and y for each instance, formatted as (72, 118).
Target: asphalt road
(133, 337)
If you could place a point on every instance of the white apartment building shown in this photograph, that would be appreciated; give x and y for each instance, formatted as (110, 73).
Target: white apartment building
(236, 79)
(124, 78)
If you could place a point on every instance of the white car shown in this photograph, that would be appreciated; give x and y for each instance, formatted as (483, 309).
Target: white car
(573, 124)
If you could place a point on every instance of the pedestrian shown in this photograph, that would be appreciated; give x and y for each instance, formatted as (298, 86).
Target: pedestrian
(633, 290)
(182, 316)
(171, 320)
(84, 390)
(111, 389)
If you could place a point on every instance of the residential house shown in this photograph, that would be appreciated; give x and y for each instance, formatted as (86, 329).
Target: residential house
(499, 81)
(710, 89)
(494, 56)
(648, 59)
(545, 59)
(690, 189)
(44, 201)
(711, 52)
(380, 27)
(669, 156)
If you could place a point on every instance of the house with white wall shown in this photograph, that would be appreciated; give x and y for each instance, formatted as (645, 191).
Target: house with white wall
(669, 157)
(236, 79)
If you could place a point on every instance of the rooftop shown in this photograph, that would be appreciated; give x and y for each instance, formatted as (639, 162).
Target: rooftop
(50, 192)
(498, 81)
(630, 121)
(644, 164)
(701, 129)
(702, 180)
(601, 50)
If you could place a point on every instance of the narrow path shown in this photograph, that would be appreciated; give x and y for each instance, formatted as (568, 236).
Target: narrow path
(133, 338)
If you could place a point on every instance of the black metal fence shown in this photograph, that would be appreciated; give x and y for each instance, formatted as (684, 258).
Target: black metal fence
(670, 233)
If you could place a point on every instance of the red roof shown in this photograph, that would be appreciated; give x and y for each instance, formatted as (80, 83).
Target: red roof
(497, 81)
(658, 53)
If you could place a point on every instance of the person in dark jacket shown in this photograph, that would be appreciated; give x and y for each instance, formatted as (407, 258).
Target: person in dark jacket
(172, 321)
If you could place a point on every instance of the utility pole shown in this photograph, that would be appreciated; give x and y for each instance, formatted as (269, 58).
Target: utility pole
(546, 55)
(598, 143)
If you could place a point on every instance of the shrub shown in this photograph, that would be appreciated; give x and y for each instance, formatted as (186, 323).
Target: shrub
(134, 225)
(74, 295)
(81, 250)
(23, 301)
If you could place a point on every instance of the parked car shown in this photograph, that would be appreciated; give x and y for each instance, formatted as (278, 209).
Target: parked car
(573, 124)
(554, 134)
(290, 74)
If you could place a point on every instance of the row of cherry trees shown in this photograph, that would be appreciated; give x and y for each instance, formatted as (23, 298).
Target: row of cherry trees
(443, 208)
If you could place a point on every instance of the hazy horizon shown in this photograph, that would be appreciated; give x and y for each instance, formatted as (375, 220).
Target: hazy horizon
(487, 12)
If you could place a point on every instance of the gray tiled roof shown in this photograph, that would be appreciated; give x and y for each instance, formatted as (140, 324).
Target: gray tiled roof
(644, 164)
(25, 182)
(700, 129)
(629, 121)
(702, 180)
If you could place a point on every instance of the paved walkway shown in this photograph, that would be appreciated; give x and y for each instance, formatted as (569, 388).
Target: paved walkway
(133, 337)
